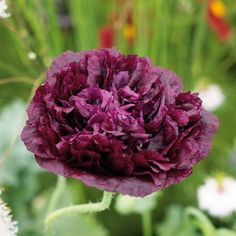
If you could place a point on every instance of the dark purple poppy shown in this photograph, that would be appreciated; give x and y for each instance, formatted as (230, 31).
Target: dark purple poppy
(117, 123)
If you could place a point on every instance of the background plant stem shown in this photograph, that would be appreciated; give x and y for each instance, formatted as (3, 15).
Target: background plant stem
(61, 183)
(147, 223)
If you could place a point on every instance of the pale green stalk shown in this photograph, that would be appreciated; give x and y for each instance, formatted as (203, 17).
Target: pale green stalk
(78, 209)
(147, 223)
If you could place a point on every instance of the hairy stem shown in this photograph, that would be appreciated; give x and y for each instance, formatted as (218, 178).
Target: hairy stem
(78, 209)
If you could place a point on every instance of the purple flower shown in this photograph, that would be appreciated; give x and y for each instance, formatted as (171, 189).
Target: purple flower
(117, 123)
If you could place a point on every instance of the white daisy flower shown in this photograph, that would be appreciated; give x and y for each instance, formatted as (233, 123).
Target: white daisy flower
(8, 227)
(3, 9)
(218, 196)
(212, 97)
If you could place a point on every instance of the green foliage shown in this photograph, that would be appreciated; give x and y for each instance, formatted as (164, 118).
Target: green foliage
(83, 225)
(11, 120)
(172, 224)
(225, 232)
(189, 221)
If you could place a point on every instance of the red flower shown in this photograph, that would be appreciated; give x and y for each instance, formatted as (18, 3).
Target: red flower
(106, 37)
(216, 17)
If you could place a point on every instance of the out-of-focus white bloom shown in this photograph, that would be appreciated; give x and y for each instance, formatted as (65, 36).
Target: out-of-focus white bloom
(212, 97)
(218, 196)
(186, 6)
(32, 55)
(8, 227)
(3, 9)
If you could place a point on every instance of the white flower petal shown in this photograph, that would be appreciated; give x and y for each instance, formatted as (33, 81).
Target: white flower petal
(212, 97)
(218, 200)
(3, 9)
(8, 227)
(32, 55)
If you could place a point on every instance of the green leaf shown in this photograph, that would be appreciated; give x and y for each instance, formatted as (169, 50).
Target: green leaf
(18, 158)
(82, 225)
(225, 232)
(172, 224)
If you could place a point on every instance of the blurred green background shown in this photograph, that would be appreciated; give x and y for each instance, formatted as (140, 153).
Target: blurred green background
(176, 34)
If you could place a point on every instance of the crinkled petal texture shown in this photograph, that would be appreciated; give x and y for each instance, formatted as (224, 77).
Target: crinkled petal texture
(117, 123)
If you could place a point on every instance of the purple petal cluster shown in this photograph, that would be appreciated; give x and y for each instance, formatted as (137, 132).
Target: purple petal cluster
(117, 122)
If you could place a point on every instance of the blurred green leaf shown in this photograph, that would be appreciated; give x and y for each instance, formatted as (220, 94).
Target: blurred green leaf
(225, 232)
(172, 224)
(19, 159)
(83, 225)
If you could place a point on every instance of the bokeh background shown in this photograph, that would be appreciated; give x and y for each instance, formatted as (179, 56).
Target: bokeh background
(194, 38)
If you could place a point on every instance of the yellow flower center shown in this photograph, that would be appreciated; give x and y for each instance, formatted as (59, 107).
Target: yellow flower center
(129, 31)
(220, 178)
(218, 8)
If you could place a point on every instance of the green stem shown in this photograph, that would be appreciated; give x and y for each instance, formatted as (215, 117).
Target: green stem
(198, 43)
(147, 223)
(195, 216)
(61, 183)
(16, 80)
(78, 209)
